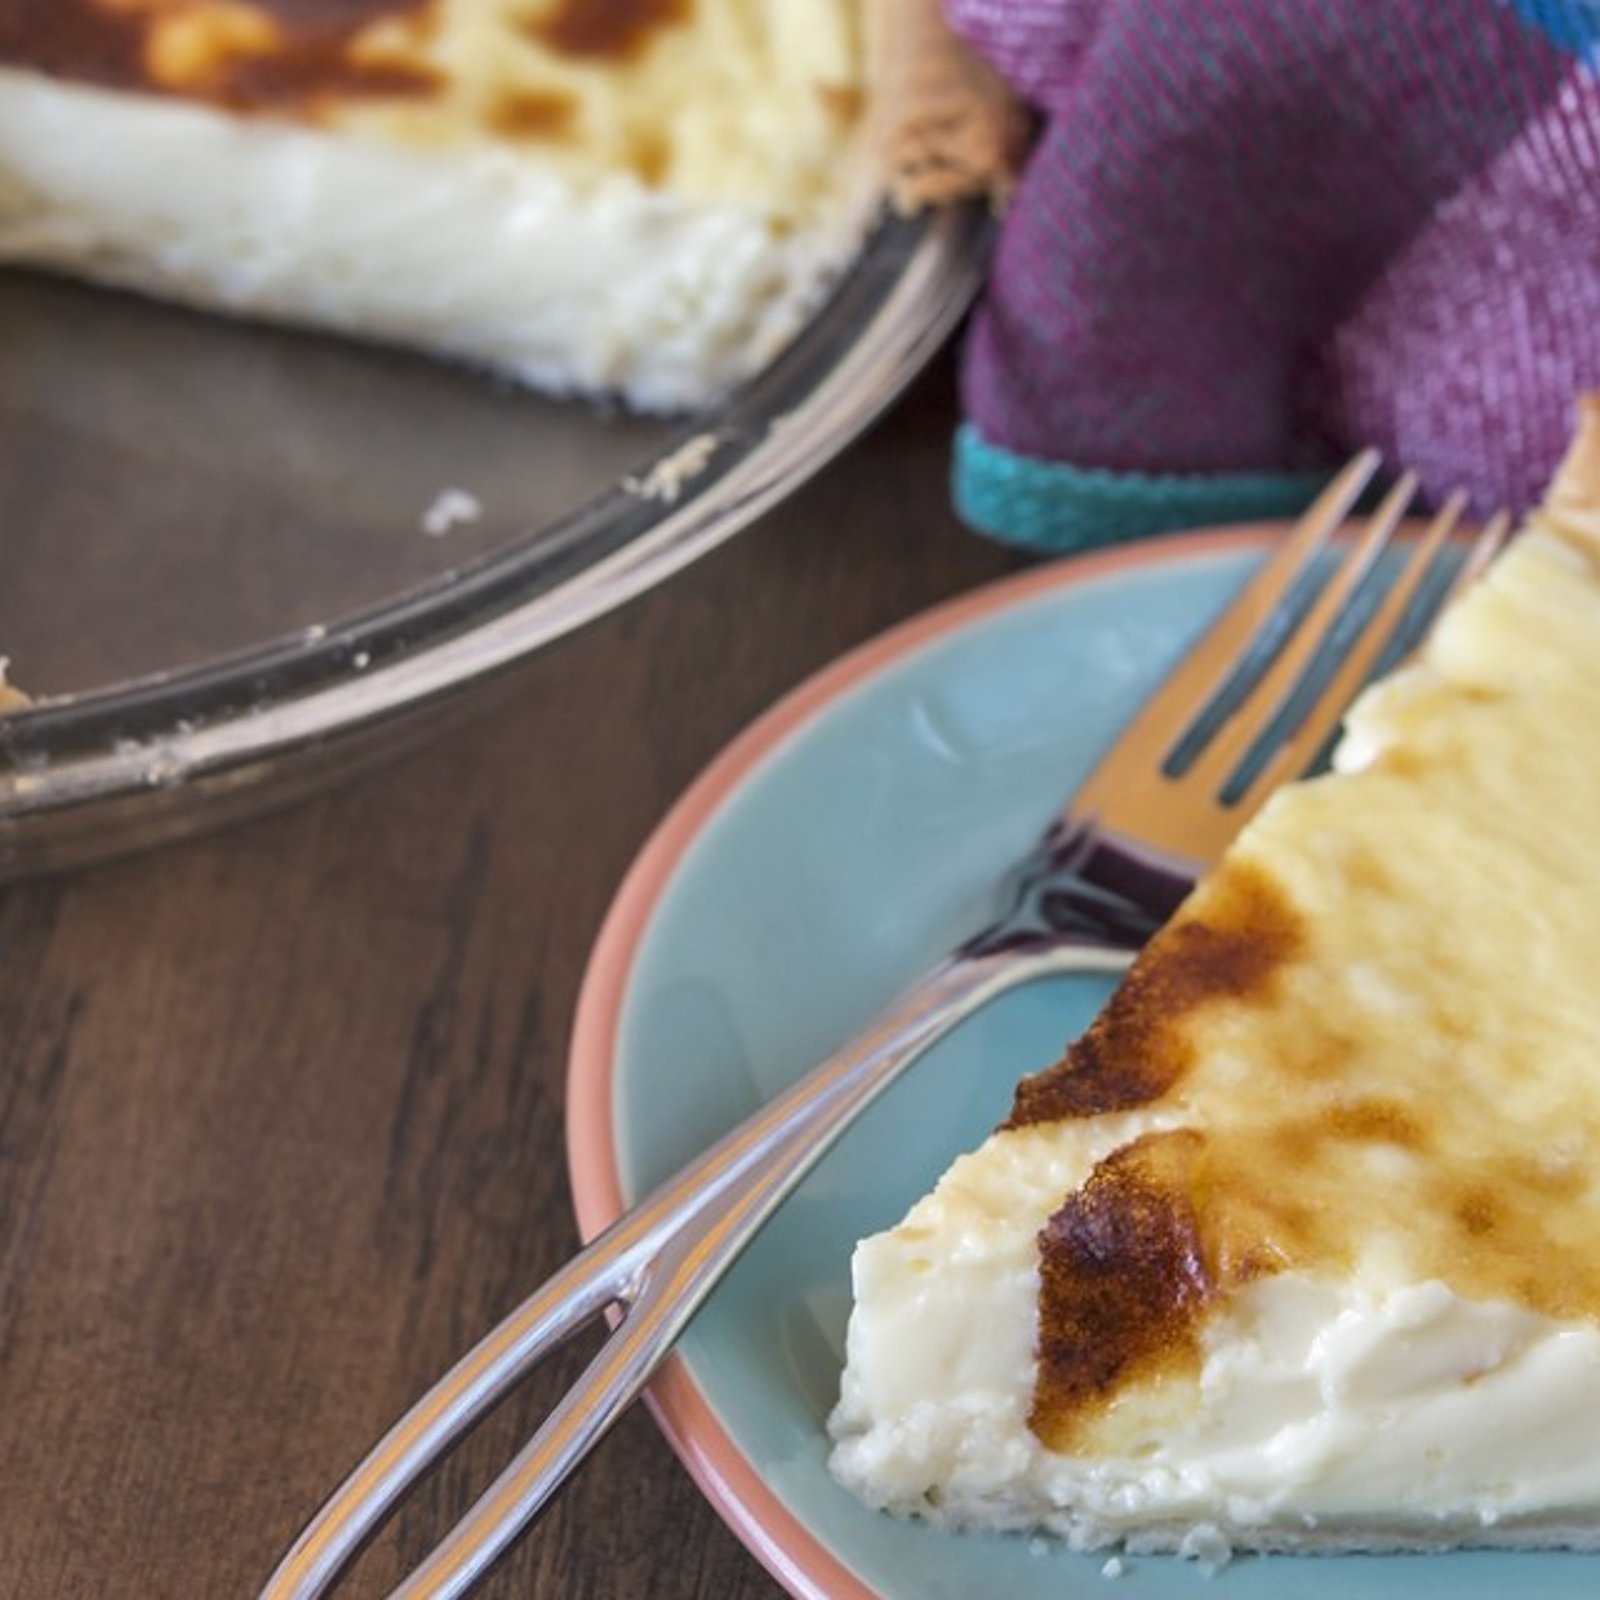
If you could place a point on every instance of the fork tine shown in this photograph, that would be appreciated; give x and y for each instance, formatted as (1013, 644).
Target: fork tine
(1169, 714)
(1481, 549)
(1488, 544)
(1220, 759)
(1305, 742)
(1318, 524)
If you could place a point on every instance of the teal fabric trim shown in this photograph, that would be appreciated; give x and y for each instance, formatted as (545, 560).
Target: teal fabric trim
(1051, 507)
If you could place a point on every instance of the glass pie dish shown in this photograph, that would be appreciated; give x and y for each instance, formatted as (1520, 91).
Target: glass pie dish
(239, 562)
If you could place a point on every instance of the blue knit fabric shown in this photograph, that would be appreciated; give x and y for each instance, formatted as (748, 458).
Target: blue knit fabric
(1569, 24)
(1053, 508)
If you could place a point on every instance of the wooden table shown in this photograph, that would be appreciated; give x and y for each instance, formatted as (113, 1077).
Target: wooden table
(281, 1110)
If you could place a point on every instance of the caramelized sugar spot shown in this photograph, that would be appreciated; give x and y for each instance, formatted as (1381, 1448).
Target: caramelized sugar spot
(527, 114)
(1377, 1119)
(650, 157)
(844, 102)
(614, 30)
(74, 39)
(1478, 1211)
(265, 54)
(1122, 1283)
(1228, 943)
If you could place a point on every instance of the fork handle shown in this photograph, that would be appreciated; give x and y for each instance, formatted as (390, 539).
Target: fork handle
(657, 1262)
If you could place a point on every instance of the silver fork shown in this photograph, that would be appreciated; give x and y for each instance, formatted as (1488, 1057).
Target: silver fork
(1234, 720)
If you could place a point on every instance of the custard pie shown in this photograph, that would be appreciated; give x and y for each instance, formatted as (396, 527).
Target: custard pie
(1298, 1248)
(638, 198)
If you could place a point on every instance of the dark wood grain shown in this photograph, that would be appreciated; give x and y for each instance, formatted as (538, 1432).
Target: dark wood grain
(280, 1111)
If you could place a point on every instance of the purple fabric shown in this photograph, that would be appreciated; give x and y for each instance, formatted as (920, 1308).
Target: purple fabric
(1257, 233)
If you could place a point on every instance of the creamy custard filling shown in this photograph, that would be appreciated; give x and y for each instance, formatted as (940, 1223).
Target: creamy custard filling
(475, 255)
(1300, 1244)
(1319, 1405)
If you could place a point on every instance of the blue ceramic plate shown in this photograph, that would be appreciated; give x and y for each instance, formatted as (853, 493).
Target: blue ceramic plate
(831, 854)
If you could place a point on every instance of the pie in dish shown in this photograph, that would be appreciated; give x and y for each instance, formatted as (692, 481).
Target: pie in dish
(636, 197)
(1299, 1246)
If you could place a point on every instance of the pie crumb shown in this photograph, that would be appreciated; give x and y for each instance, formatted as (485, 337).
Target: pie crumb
(450, 509)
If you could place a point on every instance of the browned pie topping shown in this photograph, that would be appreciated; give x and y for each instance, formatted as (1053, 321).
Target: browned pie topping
(1349, 1090)
(1137, 1048)
(252, 54)
(529, 114)
(845, 104)
(1122, 1283)
(300, 70)
(614, 30)
(590, 92)
(74, 39)
(261, 55)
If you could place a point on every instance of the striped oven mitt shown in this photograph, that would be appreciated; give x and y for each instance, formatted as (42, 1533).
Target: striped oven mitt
(1256, 234)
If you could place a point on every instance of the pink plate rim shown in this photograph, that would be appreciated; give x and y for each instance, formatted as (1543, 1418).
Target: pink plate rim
(724, 1474)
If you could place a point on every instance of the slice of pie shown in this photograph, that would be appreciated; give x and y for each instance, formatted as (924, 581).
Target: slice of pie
(641, 198)
(1299, 1246)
